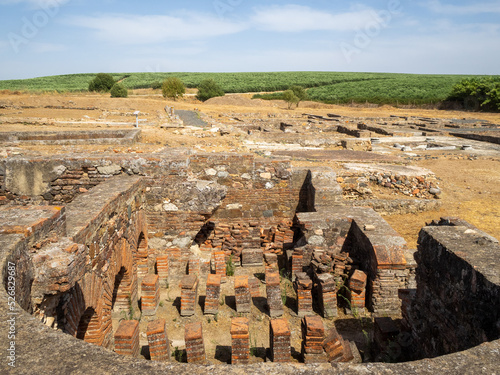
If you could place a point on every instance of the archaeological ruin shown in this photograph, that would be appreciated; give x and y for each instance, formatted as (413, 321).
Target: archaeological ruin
(183, 261)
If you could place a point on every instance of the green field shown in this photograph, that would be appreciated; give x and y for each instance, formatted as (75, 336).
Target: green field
(329, 87)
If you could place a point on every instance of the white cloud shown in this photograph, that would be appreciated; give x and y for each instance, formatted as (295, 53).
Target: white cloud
(150, 29)
(46, 47)
(298, 18)
(474, 8)
(36, 4)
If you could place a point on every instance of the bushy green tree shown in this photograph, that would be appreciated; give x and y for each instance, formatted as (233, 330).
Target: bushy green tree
(173, 88)
(478, 93)
(300, 93)
(156, 85)
(290, 98)
(119, 91)
(207, 89)
(103, 82)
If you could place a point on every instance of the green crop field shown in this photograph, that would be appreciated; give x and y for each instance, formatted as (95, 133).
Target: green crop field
(328, 87)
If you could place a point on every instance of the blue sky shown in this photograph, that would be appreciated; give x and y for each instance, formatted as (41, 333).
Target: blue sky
(49, 37)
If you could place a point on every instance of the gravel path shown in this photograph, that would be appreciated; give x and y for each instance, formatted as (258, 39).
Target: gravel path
(191, 118)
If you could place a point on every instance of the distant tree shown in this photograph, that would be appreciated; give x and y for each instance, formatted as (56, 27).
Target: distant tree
(300, 93)
(119, 91)
(156, 85)
(290, 98)
(173, 88)
(103, 82)
(207, 89)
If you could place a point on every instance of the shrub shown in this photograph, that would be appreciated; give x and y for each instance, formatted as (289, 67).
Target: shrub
(119, 91)
(156, 85)
(173, 88)
(478, 93)
(207, 89)
(300, 93)
(230, 266)
(290, 98)
(103, 82)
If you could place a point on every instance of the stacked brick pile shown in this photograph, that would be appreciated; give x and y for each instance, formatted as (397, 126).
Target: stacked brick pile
(240, 341)
(175, 260)
(337, 349)
(220, 265)
(274, 301)
(232, 238)
(297, 261)
(313, 334)
(303, 287)
(340, 264)
(252, 257)
(162, 268)
(141, 258)
(254, 286)
(195, 348)
(189, 295)
(159, 347)
(271, 262)
(127, 338)
(242, 294)
(327, 295)
(150, 297)
(212, 294)
(357, 289)
(277, 238)
(194, 265)
(279, 340)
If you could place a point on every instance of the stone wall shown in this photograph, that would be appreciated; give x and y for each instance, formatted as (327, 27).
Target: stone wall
(456, 305)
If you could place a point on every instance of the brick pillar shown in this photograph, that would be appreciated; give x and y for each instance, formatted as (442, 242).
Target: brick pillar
(280, 340)
(212, 294)
(195, 348)
(150, 297)
(242, 294)
(189, 295)
(327, 295)
(252, 257)
(254, 286)
(303, 287)
(127, 338)
(240, 341)
(273, 290)
(337, 349)
(220, 265)
(271, 262)
(297, 261)
(357, 288)
(159, 346)
(162, 268)
(194, 266)
(313, 334)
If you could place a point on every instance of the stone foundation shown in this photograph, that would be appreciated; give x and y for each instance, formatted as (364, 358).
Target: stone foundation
(242, 294)
(212, 294)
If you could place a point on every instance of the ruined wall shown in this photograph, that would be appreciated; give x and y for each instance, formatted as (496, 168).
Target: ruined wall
(372, 245)
(457, 301)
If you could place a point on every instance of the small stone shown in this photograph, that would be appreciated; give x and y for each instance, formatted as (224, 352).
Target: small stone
(266, 175)
(316, 240)
(223, 175)
(170, 207)
(210, 172)
(269, 185)
(369, 227)
(435, 191)
(246, 176)
(112, 169)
